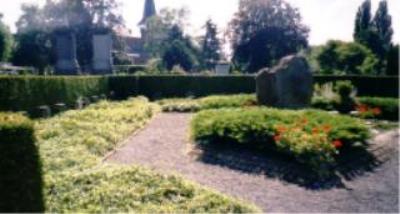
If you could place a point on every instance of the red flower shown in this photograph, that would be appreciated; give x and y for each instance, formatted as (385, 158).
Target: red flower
(338, 144)
(277, 138)
(281, 129)
(376, 111)
(327, 128)
(315, 130)
(362, 108)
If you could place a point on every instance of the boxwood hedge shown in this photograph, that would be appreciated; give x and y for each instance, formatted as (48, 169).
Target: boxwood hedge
(312, 137)
(20, 167)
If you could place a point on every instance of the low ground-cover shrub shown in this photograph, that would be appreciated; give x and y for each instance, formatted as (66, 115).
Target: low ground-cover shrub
(20, 168)
(72, 146)
(210, 102)
(312, 137)
(378, 108)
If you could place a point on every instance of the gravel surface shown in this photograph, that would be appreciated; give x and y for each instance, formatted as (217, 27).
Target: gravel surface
(366, 184)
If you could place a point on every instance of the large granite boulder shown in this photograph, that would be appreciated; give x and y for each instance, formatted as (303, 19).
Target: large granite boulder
(287, 85)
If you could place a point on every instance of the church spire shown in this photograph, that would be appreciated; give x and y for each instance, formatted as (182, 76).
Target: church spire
(149, 11)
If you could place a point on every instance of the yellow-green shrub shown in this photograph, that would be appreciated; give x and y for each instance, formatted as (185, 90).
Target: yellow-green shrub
(312, 137)
(72, 146)
(210, 102)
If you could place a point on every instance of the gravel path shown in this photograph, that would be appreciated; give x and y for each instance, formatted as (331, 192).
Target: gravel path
(266, 181)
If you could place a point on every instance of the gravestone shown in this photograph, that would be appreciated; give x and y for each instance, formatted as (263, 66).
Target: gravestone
(102, 56)
(287, 85)
(66, 53)
(222, 68)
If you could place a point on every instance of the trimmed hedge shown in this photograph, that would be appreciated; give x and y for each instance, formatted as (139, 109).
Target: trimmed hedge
(312, 137)
(164, 86)
(20, 167)
(22, 93)
(210, 102)
(385, 108)
(25, 93)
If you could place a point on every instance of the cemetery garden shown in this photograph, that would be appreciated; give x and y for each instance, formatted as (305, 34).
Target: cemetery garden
(174, 128)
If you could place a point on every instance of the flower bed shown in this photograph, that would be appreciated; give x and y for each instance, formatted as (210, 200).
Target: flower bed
(72, 146)
(313, 137)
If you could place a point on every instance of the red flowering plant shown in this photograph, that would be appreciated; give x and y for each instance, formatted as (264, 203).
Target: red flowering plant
(312, 137)
(366, 111)
(310, 143)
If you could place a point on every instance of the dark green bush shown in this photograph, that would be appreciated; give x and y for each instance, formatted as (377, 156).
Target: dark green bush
(20, 168)
(346, 102)
(385, 108)
(312, 137)
(25, 93)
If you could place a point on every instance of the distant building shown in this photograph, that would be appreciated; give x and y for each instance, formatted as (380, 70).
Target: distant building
(135, 45)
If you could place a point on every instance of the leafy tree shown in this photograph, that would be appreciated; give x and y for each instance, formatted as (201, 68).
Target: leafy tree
(5, 41)
(263, 31)
(383, 24)
(338, 57)
(374, 33)
(157, 29)
(33, 49)
(179, 51)
(211, 48)
(362, 27)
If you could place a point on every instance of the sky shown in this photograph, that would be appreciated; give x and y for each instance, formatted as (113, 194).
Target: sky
(327, 19)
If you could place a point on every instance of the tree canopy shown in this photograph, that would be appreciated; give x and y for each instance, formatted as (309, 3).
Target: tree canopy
(337, 57)
(211, 47)
(263, 31)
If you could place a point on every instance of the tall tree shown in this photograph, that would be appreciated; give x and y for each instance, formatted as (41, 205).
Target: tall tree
(179, 50)
(263, 31)
(211, 48)
(362, 27)
(5, 41)
(383, 24)
(158, 27)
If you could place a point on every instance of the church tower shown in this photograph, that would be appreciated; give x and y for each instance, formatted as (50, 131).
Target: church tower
(148, 12)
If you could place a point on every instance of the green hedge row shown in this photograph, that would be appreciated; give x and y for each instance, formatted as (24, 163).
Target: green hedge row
(312, 137)
(20, 167)
(25, 93)
(182, 86)
(163, 86)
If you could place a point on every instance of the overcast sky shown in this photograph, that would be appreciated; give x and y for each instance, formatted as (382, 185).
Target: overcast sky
(328, 19)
